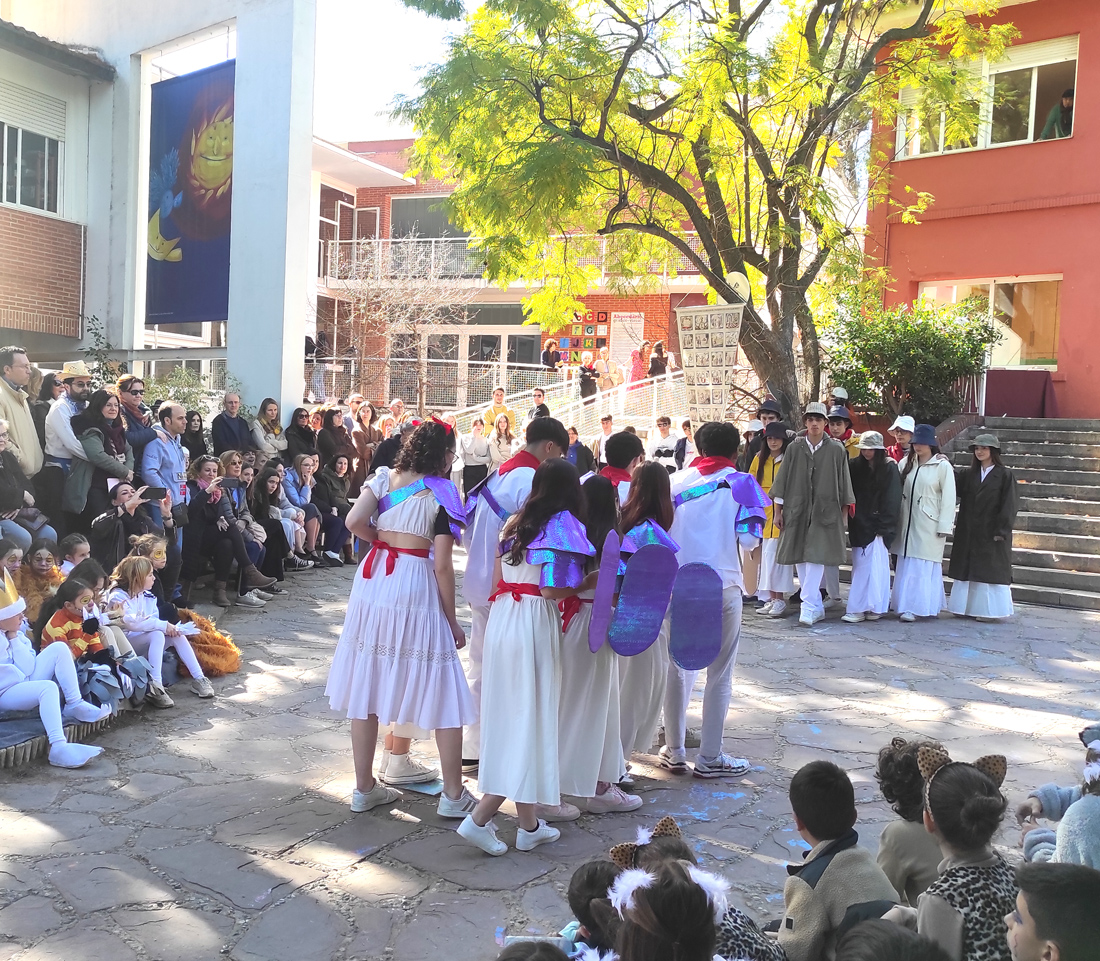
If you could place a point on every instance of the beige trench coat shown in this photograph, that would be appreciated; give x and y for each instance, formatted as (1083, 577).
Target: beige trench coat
(815, 488)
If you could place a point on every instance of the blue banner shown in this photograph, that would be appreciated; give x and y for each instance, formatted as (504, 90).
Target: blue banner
(190, 195)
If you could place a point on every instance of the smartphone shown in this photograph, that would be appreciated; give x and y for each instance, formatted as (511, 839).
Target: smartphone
(155, 493)
(230, 483)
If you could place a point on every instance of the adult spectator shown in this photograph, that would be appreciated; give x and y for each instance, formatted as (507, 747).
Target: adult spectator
(51, 389)
(298, 486)
(500, 442)
(330, 494)
(551, 356)
(659, 361)
(62, 447)
(20, 520)
(578, 455)
(15, 408)
(194, 438)
(229, 431)
(495, 410)
(661, 445)
(136, 417)
(354, 402)
(107, 457)
(366, 436)
(279, 557)
(123, 519)
(397, 410)
(232, 507)
(902, 431)
(475, 456)
(838, 397)
(1060, 119)
(333, 437)
(164, 464)
(1055, 917)
(597, 447)
(685, 446)
(385, 455)
(267, 432)
(608, 373)
(300, 437)
(540, 409)
(587, 374)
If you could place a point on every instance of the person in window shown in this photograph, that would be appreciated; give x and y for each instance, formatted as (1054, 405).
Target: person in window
(551, 356)
(1060, 119)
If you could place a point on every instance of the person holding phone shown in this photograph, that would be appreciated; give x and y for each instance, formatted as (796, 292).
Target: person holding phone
(112, 530)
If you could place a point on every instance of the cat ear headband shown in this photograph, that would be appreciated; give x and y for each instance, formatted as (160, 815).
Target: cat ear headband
(632, 880)
(623, 855)
(932, 760)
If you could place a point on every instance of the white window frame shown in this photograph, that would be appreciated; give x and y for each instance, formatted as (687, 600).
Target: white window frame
(1020, 57)
(377, 222)
(992, 282)
(58, 214)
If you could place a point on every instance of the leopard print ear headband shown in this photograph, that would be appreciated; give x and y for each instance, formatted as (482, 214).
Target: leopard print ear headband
(623, 854)
(932, 760)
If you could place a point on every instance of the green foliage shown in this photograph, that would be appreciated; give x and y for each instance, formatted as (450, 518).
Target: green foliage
(98, 357)
(907, 359)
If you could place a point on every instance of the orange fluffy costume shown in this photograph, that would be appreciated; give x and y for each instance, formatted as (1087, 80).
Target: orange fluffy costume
(34, 588)
(217, 653)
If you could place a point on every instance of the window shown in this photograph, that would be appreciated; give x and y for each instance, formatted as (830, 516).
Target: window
(31, 163)
(484, 348)
(1029, 310)
(1019, 101)
(524, 348)
(422, 217)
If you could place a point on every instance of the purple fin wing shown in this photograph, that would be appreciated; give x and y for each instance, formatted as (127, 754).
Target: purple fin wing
(563, 532)
(605, 593)
(695, 635)
(746, 491)
(446, 494)
(643, 600)
(559, 568)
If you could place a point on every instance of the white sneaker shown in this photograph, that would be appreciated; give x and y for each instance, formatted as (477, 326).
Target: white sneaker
(854, 618)
(543, 834)
(250, 599)
(765, 609)
(778, 608)
(202, 687)
(810, 618)
(264, 596)
(458, 807)
(721, 766)
(402, 769)
(482, 836)
(829, 602)
(676, 762)
(613, 799)
(377, 795)
(872, 616)
(907, 618)
(557, 812)
(383, 763)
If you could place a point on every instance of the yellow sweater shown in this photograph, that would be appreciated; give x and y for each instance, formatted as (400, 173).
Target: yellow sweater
(771, 468)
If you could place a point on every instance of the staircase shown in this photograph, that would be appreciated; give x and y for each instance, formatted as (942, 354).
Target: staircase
(1056, 540)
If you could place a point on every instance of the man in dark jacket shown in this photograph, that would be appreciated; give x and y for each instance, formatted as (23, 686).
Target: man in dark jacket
(228, 431)
(540, 409)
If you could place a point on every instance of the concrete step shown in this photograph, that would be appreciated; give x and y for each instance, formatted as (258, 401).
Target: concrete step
(1054, 491)
(1048, 558)
(1039, 436)
(1047, 475)
(1046, 449)
(1036, 461)
(1041, 423)
(1050, 523)
(1056, 597)
(1049, 577)
(1058, 505)
(1043, 541)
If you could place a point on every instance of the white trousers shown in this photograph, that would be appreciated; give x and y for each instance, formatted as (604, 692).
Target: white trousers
(471, 738)
(151, 645)
(832, 582)
(809, 585)
(40, 689)
(719, 686)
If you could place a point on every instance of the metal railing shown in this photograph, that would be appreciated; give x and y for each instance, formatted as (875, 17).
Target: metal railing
(342, 261)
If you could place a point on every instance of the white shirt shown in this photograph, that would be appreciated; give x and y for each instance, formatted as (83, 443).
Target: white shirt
(603, 446)
(986, 470)
(61, 442)
(662, 449)
(510, 491)
(704, 527)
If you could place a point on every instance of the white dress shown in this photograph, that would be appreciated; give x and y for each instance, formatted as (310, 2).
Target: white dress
(977, 599)
(918, 587)
(642, 681)
(589, 747)
(870, 590)
(396, 658)
(773, 577)
(520, 693)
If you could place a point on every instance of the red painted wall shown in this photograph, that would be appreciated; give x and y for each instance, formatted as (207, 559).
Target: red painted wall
(1009, 211)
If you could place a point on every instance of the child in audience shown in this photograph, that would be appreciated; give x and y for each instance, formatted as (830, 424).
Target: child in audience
(1055, 917)
(590, 882)
(73, 549)
(38, 576)
(11, 556)
(881, 940)
(145, 630)
(963, 910)
(1077, 808)
(908, 854)
(67, 617)
(29, 681)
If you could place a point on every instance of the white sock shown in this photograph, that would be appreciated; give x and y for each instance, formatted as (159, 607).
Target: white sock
(85, 713)
(64, 754)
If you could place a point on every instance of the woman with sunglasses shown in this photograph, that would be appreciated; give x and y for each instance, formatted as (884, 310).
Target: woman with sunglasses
(137, 419)
(301, 438)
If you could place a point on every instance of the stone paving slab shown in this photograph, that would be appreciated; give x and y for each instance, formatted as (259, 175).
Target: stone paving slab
(222, 828)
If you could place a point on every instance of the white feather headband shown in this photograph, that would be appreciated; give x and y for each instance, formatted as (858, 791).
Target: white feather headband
(589, 953)
(626, 884)
(717, 889)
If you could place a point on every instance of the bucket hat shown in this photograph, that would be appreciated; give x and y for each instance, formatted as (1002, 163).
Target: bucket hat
(753, 426)
(841, 413)
(840, 393)
(905, 422)
(985, 440)
(925, 434)
(770, 405)
(871, 440)
(776, 429)
(815, 408)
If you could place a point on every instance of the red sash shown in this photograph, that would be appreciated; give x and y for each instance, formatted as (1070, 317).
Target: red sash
(615, 474)
(522, 459)
(570, 608)
(516, 590)
(711, 465)
(391, 552)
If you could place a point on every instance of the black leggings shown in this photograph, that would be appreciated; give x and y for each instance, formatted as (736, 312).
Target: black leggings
(221, 547)
(277, 549)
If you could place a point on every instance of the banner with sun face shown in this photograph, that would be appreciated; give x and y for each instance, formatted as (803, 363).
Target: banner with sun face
(190, 195)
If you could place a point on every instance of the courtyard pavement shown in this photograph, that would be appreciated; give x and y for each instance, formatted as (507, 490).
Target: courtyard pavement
(221, 828)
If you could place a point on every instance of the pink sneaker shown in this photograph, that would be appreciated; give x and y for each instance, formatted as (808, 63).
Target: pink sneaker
(612, 800)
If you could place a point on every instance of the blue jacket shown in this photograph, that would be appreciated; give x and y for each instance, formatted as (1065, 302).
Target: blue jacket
(137, 436)
(164, 464)
(231, 433)
(297, 493)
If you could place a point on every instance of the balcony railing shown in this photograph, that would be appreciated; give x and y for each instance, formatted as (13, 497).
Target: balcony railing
(341, 262)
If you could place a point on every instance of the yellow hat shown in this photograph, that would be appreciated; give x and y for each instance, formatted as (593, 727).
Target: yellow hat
(10, 601)
(75, 368)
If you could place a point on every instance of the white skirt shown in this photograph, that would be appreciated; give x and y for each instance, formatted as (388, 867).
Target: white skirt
(396, 658)
(870, 590)
(642, 681)
(918, 587)
(777, 578)
(520, 694)
(975, 599)
(589, 746)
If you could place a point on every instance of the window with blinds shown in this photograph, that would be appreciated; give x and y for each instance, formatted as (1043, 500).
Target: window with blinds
(31, 168)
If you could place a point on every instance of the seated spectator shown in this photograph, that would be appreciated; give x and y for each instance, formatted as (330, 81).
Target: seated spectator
(298, 487)
(112, 530)
(366, 436)
(284, 534)
(101, 433)
(907, 853)
(136, 417)
(11, 556)
(330, 494)
(1055, 916)
(20, 520)
(589, 883)
(65, 619)
(293, 518)
(90, 572)
(300, 437)
(317, 417)
(145, 629)
(209, 535)
(73, 550)
(194, 438)
(30, 681)
(879, 940)
(233, 506)
(52, 388)
(230, 431)
(38, 576)
(333, 437)
(267, 432)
